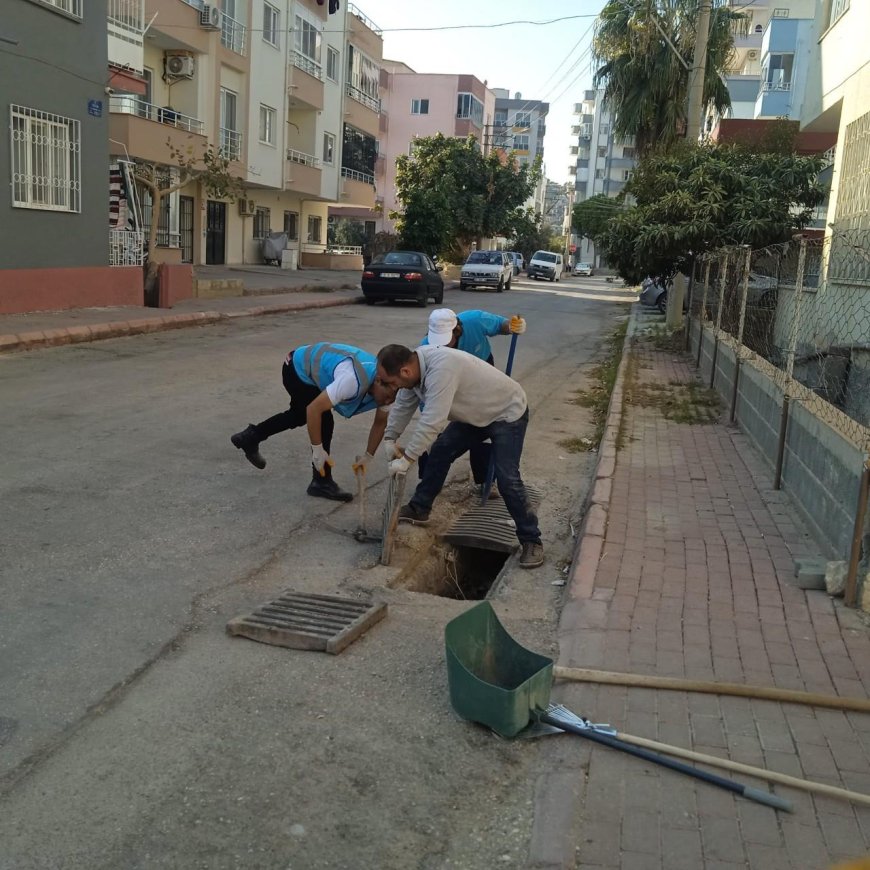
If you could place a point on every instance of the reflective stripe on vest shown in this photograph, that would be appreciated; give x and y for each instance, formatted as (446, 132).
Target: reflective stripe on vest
(309, 369)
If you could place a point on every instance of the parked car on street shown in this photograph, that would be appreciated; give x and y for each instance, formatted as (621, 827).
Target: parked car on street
(546, 264)
(583, 269)
(519, 262)
(487, 269)
(403, 275)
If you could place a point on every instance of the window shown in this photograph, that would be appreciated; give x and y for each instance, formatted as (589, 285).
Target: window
(626, 174)
(468, 106)
(780, 12)
(267, 125)
(271, 24)
(46, 162)
(328, 149)
(602, 151)
(628, 152)
(521, 143)
(501, 119)
(604, 130)
(315, 222)
(262, 223)
(291, 225)
(523, 119)
(359, 152)
(776, 75)
(73, 7)
(306, 39)
(599, 173)
(231, 139)
(363, 73)
(838, 8)
(419, 107)
(332, 59)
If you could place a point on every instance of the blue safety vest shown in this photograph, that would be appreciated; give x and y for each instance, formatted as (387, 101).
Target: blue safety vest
(316, 363)
(477, 326)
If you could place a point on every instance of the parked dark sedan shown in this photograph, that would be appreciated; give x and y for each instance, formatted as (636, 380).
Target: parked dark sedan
(403, 275)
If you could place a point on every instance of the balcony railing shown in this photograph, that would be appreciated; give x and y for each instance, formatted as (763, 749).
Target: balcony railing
(303, 158)
(130, 105)
(126, 247)
(231, 143)
(776, 86)
(127, 16)
(358, 95)
(357, 13)
(234, 34)
(306, 64)
(354, 175)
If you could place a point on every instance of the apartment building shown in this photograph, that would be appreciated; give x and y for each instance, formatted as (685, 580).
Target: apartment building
(286, 89)
(601, 164)
(424, 104)
(519, 126)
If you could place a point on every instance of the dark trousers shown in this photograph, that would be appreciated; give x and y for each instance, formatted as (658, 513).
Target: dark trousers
(301, 396)
(478, 456)
(507, 448)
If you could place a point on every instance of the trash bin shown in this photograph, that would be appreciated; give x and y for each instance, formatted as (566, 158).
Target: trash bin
(290, 259)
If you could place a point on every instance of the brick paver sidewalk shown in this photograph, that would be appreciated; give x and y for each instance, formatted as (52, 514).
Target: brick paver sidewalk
(696, 580)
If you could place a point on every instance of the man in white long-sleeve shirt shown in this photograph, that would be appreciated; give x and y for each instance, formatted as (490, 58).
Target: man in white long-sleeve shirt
(465, 400)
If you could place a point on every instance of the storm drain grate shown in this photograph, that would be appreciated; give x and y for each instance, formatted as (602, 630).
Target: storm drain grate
(488, 527)
(301, 621)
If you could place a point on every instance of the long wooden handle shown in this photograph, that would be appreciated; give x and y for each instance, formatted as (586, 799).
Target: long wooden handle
(727, 764)
(813, 699)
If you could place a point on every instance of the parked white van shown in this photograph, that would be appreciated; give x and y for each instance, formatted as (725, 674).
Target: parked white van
(546, 264)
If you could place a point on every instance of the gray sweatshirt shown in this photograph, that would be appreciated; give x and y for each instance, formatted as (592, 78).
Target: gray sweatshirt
(454, 385)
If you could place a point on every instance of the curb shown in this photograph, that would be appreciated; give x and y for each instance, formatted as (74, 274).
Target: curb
(553, 837)
(117, 329)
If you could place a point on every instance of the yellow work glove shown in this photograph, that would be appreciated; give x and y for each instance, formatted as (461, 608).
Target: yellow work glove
(517, 325)
(361, 464)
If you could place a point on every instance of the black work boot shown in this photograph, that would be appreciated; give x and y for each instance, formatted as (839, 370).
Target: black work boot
(248, 441)
(323, 486)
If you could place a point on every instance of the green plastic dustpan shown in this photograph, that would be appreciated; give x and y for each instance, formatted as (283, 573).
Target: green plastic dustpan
(493, 680)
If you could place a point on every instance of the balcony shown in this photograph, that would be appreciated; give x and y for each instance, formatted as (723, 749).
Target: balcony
(142, 128)
(357, 188)
(573, 150)
(306, 85)
(303, 173)
(126, 25)
(361, 111)
(365, 34)
(234, 34)
(774, 100)
(231, 143)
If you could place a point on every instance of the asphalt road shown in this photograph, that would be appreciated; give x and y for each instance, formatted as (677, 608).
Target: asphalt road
(133, 731)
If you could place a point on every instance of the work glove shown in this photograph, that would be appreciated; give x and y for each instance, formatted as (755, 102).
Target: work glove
(399, 466)
(362, 462)
(390, 450)
(517, 325)
(320, 459)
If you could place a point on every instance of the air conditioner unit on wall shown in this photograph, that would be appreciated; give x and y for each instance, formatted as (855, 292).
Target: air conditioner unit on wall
(752, 55)
(180, 66)
(210, 18)
(247, 207)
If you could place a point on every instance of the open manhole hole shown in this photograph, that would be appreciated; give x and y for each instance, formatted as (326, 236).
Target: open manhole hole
(467, 560)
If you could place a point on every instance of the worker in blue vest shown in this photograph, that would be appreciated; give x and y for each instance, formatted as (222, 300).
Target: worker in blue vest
(321, 378)
(470, 331)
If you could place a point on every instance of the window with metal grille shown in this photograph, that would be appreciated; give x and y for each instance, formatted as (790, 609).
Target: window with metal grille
(46, 160)
(291, 225)
(262, 222)
(523, 119)
(315, 223)
(267, 125)
(271, 24)
(521, 143)
(838, 8)
(71, 7)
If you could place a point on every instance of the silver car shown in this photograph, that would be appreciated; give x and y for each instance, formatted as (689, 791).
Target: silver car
(487, 269)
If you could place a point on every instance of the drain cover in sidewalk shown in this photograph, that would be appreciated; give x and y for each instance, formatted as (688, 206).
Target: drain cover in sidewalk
(488, 527)
(301, 621)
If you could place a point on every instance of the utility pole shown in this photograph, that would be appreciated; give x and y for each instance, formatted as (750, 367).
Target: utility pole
(697, 73)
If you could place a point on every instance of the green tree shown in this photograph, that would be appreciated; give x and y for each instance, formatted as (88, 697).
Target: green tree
(590, 217)
(451, 194)
(532, 233)
(645, 85)
(697, 198)
(211, 168)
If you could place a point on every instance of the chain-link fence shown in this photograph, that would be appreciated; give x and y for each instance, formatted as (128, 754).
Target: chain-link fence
(783, 332)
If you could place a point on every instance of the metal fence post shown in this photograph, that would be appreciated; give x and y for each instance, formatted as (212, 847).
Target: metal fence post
(744, 293)
(789, 363)
(851, 591)
(691, 293)
(722, 275)
(702, 314)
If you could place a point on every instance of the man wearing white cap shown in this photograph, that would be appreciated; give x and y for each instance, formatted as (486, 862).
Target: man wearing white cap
(470, 331)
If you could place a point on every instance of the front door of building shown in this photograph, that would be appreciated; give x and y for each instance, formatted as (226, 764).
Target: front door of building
(185, 227)
(215, 233)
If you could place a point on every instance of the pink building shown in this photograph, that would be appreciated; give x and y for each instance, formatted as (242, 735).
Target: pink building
(423, 104)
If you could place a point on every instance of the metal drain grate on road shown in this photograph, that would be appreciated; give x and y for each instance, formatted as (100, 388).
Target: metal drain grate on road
(300, 621)
(488, 527)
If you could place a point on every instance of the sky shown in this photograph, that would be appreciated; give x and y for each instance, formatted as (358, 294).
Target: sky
(541, 62)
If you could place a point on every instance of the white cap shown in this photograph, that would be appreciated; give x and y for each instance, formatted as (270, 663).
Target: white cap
(442, 322)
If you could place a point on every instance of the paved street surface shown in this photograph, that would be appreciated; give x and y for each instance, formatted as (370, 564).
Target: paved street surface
(696, 580)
